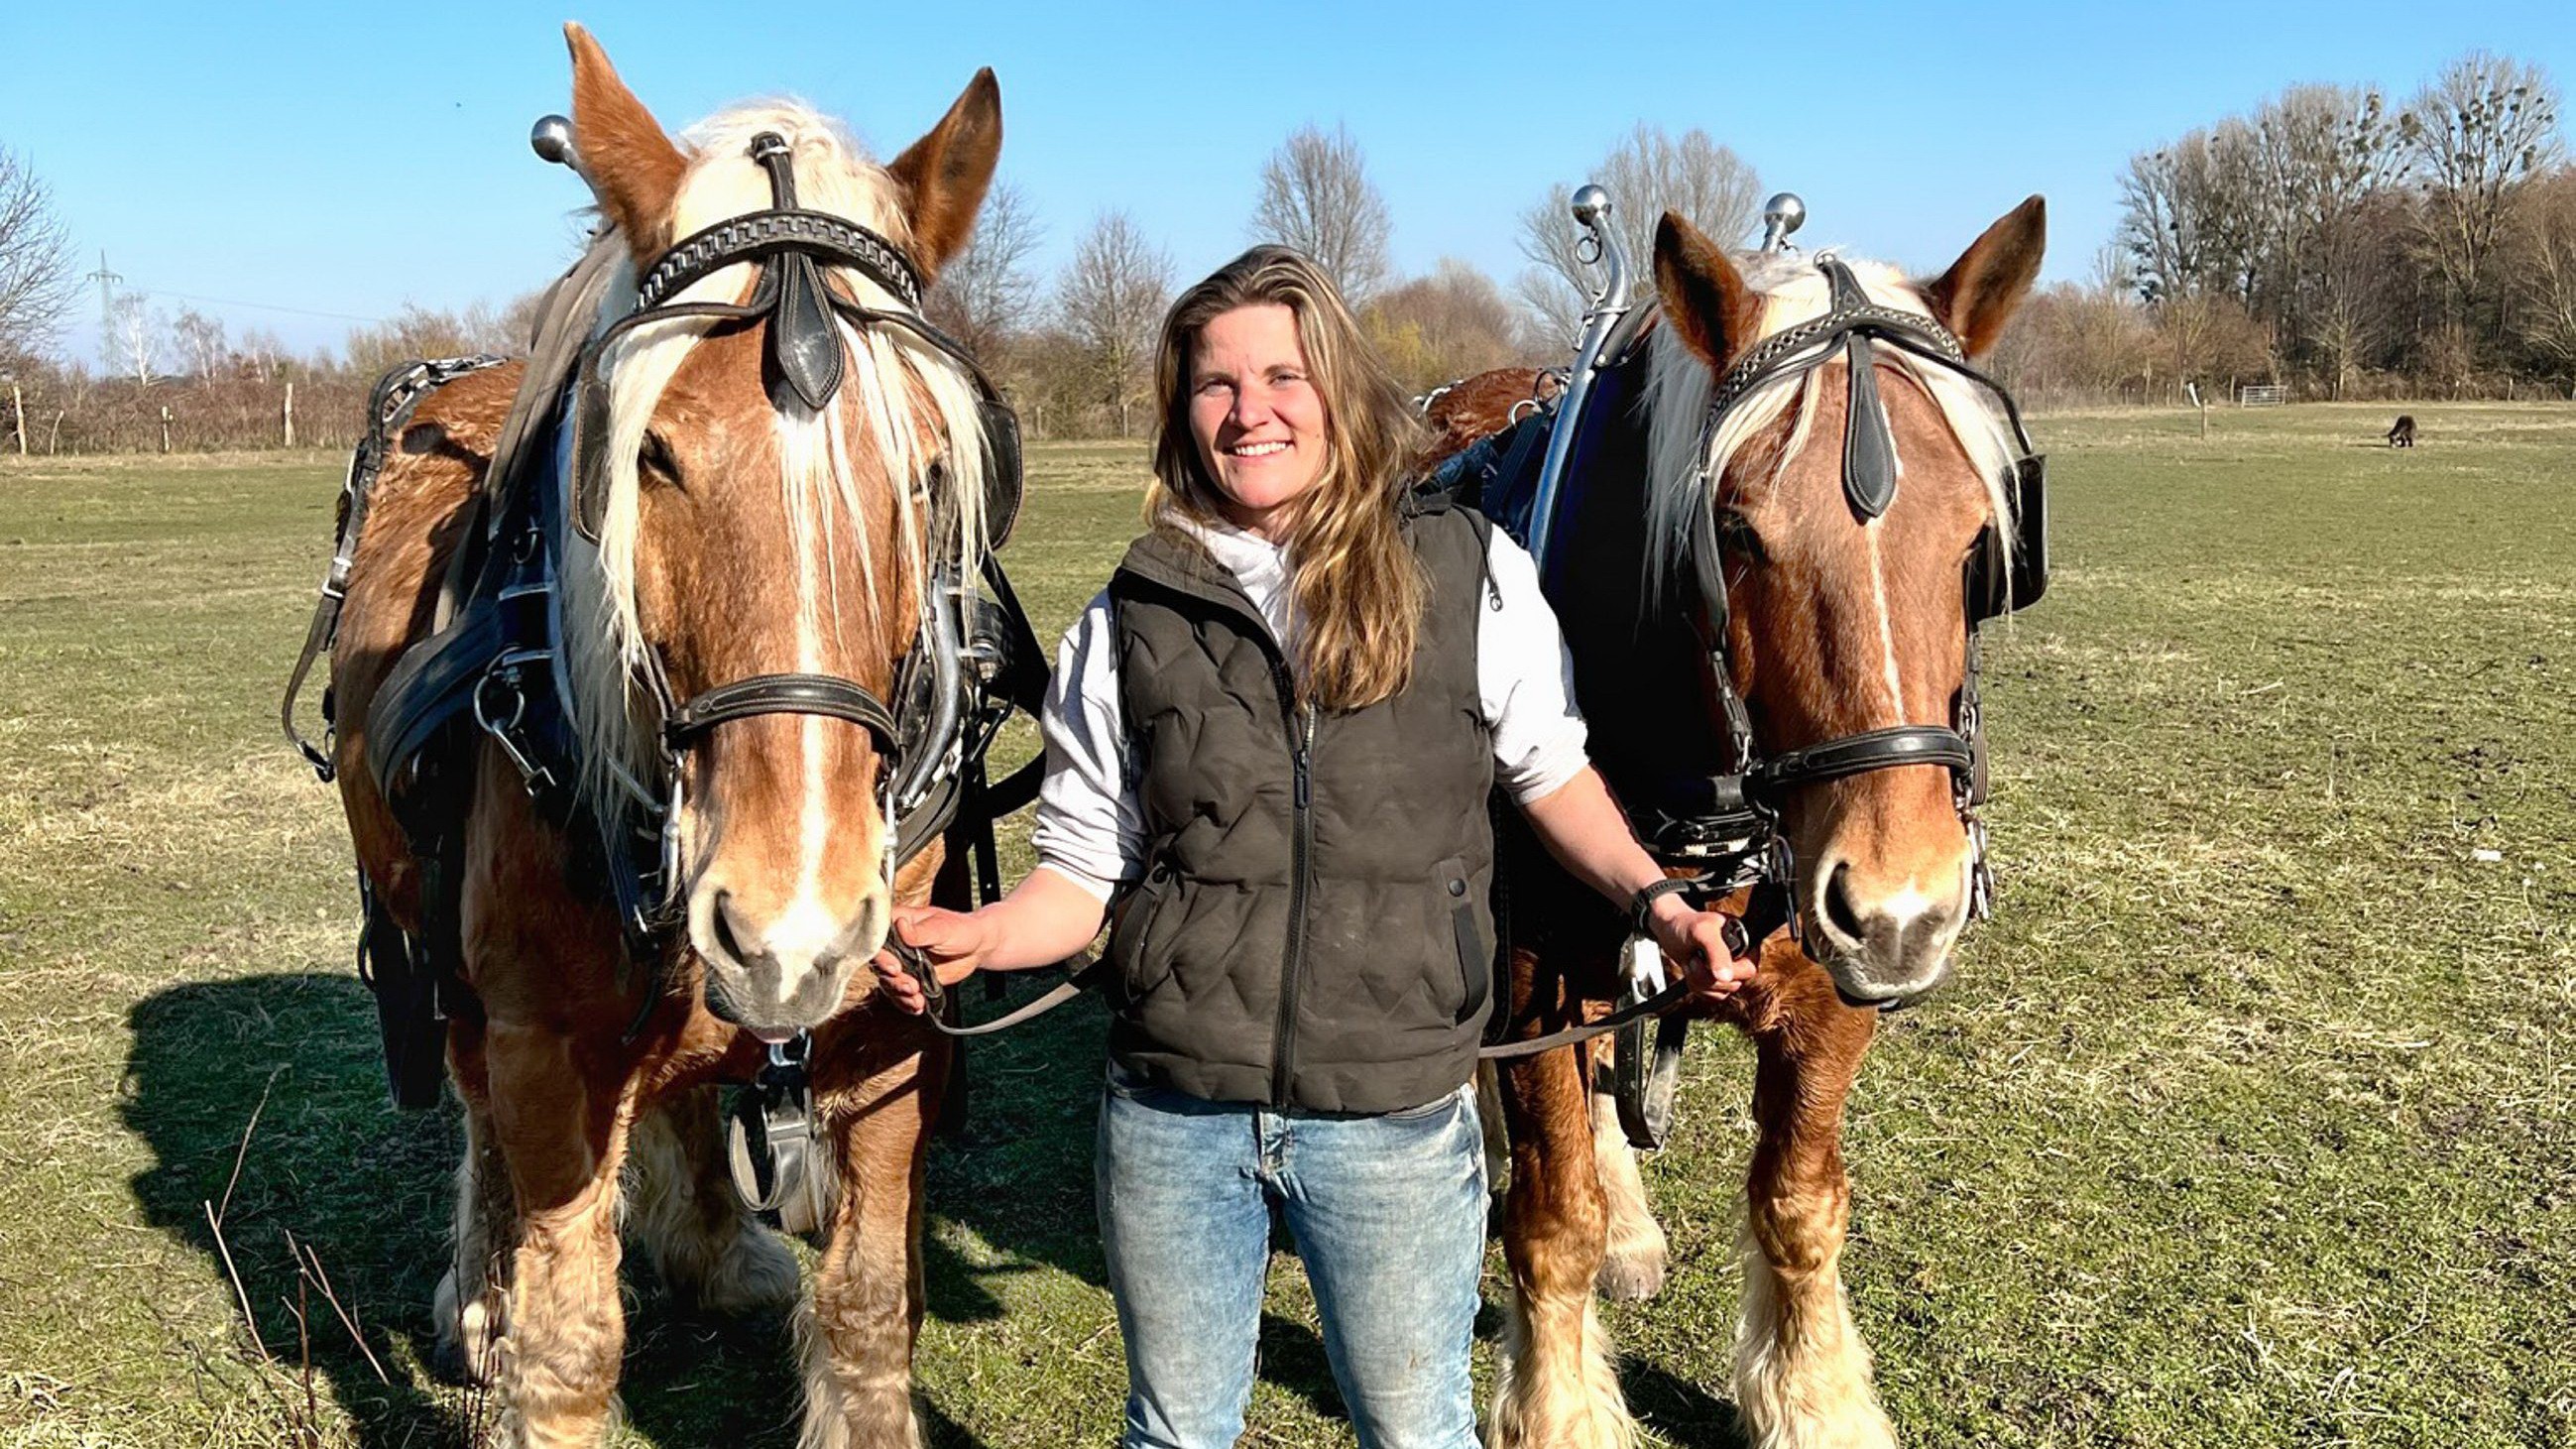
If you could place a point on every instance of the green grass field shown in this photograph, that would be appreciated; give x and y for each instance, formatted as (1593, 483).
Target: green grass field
(2246, 1122)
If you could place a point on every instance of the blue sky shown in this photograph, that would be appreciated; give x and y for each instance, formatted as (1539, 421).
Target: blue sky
(343, 160)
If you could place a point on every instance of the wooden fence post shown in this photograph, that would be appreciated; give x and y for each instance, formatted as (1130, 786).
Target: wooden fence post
(290, 415)
(165, 427)
(18, 414)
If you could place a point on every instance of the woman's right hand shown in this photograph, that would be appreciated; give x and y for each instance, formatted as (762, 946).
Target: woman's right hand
(955, 941)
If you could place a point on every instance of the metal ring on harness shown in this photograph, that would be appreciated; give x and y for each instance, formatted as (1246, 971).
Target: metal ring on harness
(770, 1141)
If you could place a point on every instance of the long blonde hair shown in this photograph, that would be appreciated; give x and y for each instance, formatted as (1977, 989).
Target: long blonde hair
(1360, 591)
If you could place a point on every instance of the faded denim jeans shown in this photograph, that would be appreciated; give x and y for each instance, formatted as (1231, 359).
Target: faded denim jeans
(1388, 1213)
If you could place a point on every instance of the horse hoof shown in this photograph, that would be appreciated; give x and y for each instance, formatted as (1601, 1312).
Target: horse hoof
(1631, 1278)
(462, 1351)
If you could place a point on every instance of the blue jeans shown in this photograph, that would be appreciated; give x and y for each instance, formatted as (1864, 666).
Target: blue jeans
(1388, 1213)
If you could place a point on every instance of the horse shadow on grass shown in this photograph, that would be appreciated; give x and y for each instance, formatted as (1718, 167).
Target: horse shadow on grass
(289, 1065)
(281, 1075)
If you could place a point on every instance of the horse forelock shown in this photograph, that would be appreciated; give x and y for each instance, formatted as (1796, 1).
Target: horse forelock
(1690, 464)
(899, 400)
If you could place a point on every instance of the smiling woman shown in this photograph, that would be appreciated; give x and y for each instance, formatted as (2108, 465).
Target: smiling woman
(1256, 416)
(1279, 421)
(1271, 742)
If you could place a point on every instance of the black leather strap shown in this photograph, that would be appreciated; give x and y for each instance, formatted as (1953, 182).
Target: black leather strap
(1881, 749)
(781, 694)
(783, 229)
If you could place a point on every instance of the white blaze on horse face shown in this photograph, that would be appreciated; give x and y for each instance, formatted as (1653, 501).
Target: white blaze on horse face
(1886, 626)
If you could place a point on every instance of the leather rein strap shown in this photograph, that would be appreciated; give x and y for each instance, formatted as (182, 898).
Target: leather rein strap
(1765, 913)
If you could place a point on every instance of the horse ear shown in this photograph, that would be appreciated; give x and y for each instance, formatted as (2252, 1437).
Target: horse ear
(1705, 299)
(631, 166)
(945, 173)
(1978, 295)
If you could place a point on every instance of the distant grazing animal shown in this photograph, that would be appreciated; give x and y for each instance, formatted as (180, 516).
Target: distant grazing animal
(2402, 433)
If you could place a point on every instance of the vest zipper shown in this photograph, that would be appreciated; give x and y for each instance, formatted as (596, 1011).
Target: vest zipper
(1301, 733)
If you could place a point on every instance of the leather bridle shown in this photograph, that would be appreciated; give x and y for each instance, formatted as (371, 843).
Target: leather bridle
(922, 735)
(1729, 824)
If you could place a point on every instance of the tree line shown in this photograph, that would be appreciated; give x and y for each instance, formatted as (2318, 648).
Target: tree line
(2337, 243)
(1074, 349)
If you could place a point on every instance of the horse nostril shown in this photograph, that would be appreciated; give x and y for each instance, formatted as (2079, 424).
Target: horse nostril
(727, 940)
(1838, 906)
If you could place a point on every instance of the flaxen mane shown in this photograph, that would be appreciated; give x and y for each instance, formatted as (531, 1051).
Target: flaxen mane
(910, 395)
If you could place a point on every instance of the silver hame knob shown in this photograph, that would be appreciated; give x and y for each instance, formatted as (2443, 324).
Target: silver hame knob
(1591, 205)
(551, 138)
(1781, 215)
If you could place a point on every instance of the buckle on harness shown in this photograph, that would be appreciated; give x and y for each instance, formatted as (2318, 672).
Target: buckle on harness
(502, 681)
(770, 1140)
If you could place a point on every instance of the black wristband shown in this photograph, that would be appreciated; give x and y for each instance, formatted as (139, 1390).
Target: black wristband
(1641, 906)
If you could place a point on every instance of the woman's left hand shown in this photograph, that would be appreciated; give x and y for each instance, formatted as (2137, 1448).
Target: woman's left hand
(1706, 943)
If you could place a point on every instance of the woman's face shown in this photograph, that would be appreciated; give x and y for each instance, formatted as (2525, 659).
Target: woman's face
(1256, 415)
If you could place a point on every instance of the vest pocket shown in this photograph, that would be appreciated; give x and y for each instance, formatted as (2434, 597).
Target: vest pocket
(1130, 938)
(1475, 955)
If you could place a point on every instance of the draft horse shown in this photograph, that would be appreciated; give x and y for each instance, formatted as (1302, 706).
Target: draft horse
(769, 463)
(1793, 502)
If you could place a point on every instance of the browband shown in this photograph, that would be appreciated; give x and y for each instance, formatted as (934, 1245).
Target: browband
(743, 238)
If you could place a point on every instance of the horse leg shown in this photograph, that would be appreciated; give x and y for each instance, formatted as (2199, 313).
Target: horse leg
(683, 1209)
(1555, 1387)
(563, 1131)
(1632, 1263)
(470, 1299)
(1802, 1375)
(858, 1337)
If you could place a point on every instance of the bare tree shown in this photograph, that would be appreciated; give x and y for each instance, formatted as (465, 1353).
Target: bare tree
(2544, 266)
(136, 337)
(2187, 214)
(2322, 154)
(985, 296)
(200, 339)
(1452, 324)
(2486, 123)
(1316, 197)
(1112, 297)
(36, 279)
(261, 351)
(420, 332)
(1647, 174)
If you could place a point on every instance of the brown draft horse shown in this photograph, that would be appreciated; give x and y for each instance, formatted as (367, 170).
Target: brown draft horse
(740, 539)
(1835, 628)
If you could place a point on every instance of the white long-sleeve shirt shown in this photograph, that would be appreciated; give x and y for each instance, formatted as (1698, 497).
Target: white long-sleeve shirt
(1090, 828)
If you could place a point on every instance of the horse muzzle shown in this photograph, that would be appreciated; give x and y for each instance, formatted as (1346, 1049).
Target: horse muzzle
(778, 974)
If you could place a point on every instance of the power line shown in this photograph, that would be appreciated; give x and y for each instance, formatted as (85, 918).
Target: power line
(255, 306)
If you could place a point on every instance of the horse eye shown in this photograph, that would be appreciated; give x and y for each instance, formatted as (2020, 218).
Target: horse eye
(1736, 534)
(655, 457)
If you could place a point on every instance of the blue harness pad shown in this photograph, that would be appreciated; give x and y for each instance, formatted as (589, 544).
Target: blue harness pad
(1498, 475)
